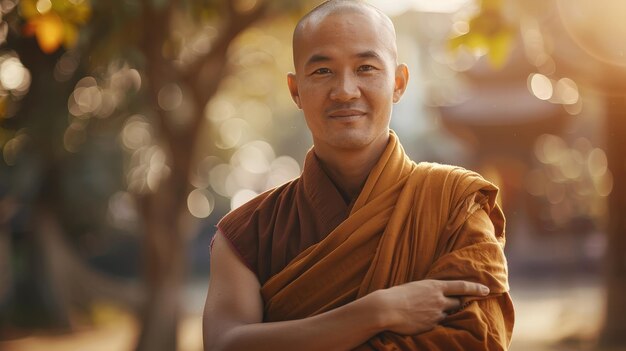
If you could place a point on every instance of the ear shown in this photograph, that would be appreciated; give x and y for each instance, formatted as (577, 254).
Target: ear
(293, 89)
(402, 79)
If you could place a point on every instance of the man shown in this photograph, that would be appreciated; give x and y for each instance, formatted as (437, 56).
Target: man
(366, 249)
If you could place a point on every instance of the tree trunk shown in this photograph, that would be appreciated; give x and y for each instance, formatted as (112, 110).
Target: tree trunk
(164, 265)
(164, 212)
(7, 209)
(613, 334)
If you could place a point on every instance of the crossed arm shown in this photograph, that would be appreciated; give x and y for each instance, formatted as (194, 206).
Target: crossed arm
(233, 314)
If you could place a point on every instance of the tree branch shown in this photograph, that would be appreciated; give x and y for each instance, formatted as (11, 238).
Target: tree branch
(206, 72)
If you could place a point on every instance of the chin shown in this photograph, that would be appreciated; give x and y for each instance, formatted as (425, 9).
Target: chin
(351, 141)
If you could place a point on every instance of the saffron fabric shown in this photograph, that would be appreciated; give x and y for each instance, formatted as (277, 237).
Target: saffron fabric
(313, 252)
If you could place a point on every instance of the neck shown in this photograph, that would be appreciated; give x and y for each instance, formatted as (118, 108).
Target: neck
(349, 168)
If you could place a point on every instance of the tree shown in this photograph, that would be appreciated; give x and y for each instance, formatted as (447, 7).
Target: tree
(80, 48)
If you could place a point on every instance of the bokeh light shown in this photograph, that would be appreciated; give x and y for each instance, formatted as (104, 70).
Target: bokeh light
(12, 148)
(219, 109)
(74, 136)
(254, 157)
(43, 6)
(137, 132)
(200, 178)
(170, 97)
(13, 75)
(604, 184)
(66, 66)
(93, 98)
(122, 212)
(253, 168)
(283, 169)
(574, 109)
(231, 133)
(540, 86)
(217, 179)
(200, 203)
(573, 180)
(549, 148)
(566, 91)
(597, 162)
(241, 197)
(147, 166)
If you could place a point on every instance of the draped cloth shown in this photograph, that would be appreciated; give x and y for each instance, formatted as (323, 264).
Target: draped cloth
(410, 222)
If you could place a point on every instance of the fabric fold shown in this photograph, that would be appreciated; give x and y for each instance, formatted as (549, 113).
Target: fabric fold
(408, 223)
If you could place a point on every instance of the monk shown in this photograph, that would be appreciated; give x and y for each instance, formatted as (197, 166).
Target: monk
(366, 250)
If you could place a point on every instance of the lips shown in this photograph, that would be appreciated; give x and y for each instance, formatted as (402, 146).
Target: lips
(343, 113)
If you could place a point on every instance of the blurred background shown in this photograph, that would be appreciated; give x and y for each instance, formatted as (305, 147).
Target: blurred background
(128, 128)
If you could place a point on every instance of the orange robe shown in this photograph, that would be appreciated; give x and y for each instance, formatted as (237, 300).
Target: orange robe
(410, 222)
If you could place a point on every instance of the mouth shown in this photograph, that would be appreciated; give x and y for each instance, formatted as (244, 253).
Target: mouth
(346, 114)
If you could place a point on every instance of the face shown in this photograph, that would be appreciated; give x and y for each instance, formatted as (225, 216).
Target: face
(346, 79)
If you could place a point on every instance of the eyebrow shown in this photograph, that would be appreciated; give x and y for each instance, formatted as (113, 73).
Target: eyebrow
(316, 58)
(322, 58)
(369, 54)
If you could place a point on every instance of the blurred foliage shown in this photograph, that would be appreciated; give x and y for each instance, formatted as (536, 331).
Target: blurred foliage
(489, 32)
(54, 22)
(75, 76)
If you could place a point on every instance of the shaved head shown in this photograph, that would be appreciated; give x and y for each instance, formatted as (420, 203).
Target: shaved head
(344, 7)
(347, 76)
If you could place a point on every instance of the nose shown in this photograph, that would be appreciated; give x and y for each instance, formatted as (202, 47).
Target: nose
(345, 88)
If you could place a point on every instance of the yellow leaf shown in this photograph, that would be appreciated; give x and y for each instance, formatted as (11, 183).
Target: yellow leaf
(60, 25)
(28, 9)
(499, 47)
(49, 31)
(477, 41)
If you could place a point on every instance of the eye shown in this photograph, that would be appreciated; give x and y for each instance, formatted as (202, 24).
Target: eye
(322, 70)
(366, 68)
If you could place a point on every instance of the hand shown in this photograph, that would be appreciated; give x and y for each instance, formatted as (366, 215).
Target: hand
(418, 306)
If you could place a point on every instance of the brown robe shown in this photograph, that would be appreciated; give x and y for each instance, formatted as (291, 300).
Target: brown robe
(410, 222)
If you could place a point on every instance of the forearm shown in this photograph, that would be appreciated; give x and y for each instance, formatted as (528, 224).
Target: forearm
(340, 329)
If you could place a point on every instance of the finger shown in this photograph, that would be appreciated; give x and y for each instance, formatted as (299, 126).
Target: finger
(451, 304)
(462, 287)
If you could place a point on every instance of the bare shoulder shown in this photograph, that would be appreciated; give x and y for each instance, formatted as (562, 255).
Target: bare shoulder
(226, 263)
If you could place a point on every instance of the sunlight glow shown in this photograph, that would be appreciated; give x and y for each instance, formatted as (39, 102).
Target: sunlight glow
(397, 7)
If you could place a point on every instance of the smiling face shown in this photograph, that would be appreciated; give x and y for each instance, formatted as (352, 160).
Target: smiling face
(347, 78)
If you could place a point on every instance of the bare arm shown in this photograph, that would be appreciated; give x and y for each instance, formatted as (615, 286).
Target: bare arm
(233, 315)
